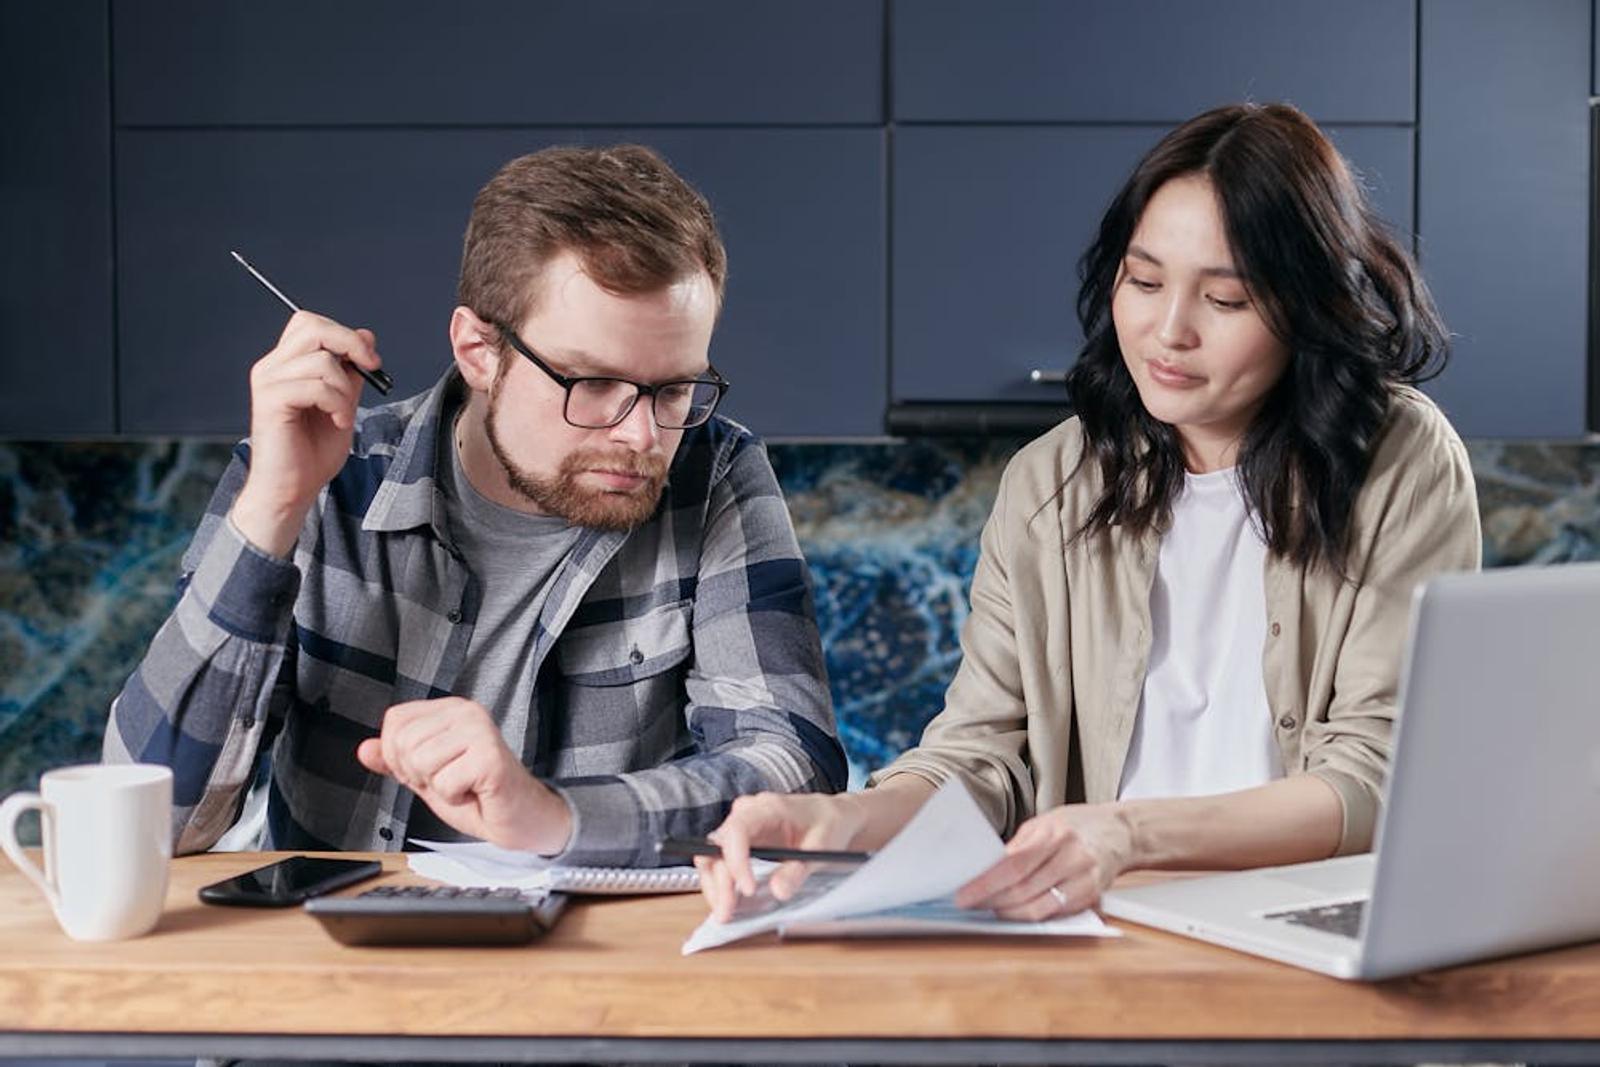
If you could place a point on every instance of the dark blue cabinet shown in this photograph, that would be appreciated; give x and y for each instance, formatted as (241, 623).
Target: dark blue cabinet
(56, 376)
(490, 62)
(1151, 61)
(1503, 180)
(366, 226)
(989, 223)
(339, 145)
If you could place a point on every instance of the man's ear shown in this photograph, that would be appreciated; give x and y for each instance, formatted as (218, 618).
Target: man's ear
(474, 343)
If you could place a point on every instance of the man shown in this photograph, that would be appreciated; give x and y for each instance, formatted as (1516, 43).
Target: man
(551, 603)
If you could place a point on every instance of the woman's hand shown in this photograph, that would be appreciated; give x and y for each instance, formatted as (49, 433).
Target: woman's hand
(777, 820)
(1056, 864)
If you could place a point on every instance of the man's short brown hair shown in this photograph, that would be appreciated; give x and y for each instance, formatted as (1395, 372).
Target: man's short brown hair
(634, 223)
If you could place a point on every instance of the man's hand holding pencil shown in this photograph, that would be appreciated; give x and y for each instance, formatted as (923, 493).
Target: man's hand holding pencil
(303, 397)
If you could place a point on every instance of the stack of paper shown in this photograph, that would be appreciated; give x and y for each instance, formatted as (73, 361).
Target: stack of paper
(905, 889)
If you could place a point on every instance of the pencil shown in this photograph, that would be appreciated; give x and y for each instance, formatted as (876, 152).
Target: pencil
(379, 379)
(699, 846)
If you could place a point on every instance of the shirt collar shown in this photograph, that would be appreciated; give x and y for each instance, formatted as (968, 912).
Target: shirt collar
(409, 496)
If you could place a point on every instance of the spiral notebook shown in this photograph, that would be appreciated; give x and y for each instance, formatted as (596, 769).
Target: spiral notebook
(478, 863)
(624, 879)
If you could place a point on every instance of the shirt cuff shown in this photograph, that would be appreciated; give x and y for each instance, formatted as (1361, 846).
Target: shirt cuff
(245, 591)
(1360, 808)
(609, 825)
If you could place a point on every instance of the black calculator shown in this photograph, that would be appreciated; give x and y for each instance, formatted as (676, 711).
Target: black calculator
(438, 915)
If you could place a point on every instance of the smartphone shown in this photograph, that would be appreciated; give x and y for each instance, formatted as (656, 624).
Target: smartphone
(290, 881)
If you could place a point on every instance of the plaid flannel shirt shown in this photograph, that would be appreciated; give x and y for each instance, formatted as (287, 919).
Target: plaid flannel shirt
(677, 665)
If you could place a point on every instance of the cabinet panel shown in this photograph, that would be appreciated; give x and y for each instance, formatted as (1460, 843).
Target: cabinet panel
(1154, 61)
(366, 225)
(306, 62)
(988, 227)
(56, 374)
(1503, 201)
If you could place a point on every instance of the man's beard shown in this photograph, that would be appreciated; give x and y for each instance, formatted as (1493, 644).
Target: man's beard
(561, 495)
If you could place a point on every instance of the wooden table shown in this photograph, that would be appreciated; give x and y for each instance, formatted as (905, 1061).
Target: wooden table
(610, 983)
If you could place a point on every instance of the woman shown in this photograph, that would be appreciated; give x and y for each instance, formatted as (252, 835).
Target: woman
(1189, 610)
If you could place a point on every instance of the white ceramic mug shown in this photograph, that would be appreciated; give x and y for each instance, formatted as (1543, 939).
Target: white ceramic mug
(107, 834)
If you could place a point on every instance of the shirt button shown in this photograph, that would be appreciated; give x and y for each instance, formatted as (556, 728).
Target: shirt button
(454, 615)
(1276, 629)
(386, 833)
(1286, 723)
(636, 657)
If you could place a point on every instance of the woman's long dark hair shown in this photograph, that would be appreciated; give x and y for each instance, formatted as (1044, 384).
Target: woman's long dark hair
(1329, 281)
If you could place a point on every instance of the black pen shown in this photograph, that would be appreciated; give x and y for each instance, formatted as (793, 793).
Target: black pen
(699, 846)
(379, 379)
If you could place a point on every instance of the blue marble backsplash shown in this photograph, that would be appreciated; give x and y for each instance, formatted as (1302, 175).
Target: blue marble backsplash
(91, 535)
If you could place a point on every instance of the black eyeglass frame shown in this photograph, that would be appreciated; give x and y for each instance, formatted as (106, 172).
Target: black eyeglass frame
(566, 382)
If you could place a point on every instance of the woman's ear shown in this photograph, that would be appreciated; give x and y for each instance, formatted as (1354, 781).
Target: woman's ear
(477, 352)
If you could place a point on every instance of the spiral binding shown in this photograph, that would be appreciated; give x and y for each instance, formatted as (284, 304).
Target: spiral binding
(624, 879)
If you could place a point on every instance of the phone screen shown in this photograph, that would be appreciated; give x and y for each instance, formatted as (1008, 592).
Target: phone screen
(289, 881)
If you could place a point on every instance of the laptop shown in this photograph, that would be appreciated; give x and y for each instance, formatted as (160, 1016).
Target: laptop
(1489, 841)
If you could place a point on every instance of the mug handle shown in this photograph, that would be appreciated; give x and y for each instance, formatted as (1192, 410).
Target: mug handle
(11, 809)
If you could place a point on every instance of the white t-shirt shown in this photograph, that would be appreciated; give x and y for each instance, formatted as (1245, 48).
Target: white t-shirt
(1204, 726)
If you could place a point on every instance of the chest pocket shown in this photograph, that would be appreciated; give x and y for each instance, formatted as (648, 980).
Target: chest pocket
(623, 653)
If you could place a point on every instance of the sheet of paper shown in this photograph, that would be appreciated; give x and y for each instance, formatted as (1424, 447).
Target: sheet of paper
(945, 845)
(468, 863)
(943, 917)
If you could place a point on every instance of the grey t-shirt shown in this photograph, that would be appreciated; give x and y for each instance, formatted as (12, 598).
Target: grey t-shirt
(513, 555)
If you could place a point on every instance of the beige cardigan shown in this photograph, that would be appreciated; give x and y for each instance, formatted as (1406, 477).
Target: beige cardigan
(1055, 648)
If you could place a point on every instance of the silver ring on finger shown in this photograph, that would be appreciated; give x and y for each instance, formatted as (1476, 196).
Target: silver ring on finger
(1059, 896)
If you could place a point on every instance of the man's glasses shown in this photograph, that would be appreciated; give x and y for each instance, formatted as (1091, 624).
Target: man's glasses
(598, 403)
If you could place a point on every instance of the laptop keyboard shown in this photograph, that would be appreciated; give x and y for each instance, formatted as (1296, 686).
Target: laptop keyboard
(1343, 919)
